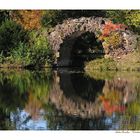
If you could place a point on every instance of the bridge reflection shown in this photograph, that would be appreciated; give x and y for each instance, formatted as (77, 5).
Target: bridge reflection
(79, 95)
(76, 94)
(69, 99)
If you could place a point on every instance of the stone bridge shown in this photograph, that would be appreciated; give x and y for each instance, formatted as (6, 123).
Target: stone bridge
(70, 29)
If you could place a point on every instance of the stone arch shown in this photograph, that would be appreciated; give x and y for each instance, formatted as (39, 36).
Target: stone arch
(72, 28)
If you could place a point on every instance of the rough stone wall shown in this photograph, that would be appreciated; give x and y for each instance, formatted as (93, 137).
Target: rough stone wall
(81, 25)
(73, 28)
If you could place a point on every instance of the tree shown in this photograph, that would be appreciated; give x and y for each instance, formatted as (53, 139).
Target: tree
(29, 19)
(128, 17)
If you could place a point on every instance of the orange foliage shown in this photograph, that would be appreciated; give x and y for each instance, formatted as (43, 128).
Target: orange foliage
(29, 19)
(110, 35)
(110, 108)
(109, 27)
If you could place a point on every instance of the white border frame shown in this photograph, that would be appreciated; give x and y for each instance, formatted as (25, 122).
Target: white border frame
(69, 4)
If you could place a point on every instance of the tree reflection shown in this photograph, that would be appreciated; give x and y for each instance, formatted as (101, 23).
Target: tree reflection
(69, 100)
(19, 90)
(12, 96)
(58, 120)
(122, 97)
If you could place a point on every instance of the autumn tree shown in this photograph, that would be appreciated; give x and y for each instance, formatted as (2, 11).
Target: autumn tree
(29, 19)
(128, 17)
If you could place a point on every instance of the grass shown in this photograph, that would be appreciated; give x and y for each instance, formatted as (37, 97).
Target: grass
(101, 64)
(129, 62)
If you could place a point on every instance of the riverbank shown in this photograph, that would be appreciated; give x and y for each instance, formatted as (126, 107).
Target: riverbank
(20, 66)
(129, 62)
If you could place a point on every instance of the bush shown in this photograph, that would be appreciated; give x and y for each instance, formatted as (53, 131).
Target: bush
(11, 35)
(4, 14)
(20, 55)
(41, 53)
(50, 18)
(37, 54)
(1, 57)
(128, 17)
(114, 40)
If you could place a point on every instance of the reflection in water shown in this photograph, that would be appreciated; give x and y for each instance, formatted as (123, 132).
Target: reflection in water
(69, 99)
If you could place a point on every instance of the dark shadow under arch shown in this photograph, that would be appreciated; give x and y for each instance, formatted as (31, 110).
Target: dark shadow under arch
(77, 85)
(78, 49)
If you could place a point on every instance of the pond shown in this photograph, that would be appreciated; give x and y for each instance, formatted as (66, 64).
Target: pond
(69, 99)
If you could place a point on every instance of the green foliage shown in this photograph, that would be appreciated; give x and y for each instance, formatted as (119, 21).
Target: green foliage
(4, 15)
(114, 40)
(129, 62)
(15, 89)
(130, 119)
(40, 57)
(41, 53)
(20, 55)
(10, 87)
(1, 57)
(118, 16)
(32, 48)
(50, 18)
(133, 18)
(11, 35)
(128, 17)
(53, 17)
(36, 53)
(101, 64)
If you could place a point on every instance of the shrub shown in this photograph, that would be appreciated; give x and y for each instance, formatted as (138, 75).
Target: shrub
(4, 14)
(111, 35)
(21, 55)
(114, 40)
(40, 57)
(127, 17)
(11, 35)
(110, 27)
(50, 18)
(118, 16)
(35, 53)
(1, 57)
(41, 53)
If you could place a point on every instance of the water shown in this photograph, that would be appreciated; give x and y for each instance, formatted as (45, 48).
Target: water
(67, 99)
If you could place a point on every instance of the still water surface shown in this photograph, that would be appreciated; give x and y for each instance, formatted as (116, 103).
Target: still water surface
(67, 99)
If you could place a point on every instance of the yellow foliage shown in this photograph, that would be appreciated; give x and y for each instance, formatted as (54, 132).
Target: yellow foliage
(113, 40)
(29, 19)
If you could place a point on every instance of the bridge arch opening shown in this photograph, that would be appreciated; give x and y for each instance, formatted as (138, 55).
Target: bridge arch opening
(79, 48)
